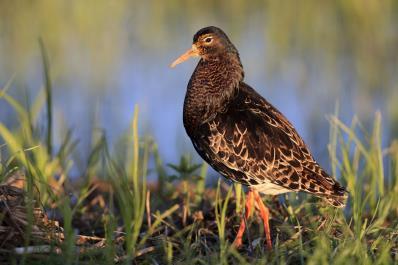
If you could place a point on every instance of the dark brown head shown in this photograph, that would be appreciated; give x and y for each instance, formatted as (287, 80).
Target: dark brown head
(210, 43)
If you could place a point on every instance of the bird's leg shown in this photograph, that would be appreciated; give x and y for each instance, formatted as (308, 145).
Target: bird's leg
(248, 208)
(264, 213)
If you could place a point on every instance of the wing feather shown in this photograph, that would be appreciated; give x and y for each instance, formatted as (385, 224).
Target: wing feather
(253, 143)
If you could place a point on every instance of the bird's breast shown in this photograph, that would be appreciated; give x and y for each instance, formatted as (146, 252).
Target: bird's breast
(211, 89)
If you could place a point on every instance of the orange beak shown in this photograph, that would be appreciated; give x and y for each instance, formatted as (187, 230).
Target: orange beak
(193, 52)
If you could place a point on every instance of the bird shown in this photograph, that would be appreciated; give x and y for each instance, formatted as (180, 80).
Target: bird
(243, 136)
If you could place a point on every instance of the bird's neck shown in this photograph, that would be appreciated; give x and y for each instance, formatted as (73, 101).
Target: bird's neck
(214, 83)
(219, 74)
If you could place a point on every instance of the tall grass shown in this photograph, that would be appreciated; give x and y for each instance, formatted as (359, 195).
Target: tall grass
(48, 90)
(130, 189)
(221, 206)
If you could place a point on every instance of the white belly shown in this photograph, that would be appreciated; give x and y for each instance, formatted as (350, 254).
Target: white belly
(269, 188)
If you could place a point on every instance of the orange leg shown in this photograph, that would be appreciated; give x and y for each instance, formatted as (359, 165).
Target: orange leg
(264, 213)
(249, 205)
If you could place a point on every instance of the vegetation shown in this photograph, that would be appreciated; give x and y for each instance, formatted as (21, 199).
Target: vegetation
(116, 215)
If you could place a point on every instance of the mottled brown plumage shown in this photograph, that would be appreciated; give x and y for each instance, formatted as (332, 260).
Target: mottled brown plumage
(243, 136)
(240, 134)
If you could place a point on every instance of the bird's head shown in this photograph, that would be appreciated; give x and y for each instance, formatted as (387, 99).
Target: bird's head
(210, 43)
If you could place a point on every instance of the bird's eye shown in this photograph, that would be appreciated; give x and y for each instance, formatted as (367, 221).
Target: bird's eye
(208, 39)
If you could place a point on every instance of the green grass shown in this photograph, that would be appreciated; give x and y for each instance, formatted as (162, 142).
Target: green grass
(178, 220)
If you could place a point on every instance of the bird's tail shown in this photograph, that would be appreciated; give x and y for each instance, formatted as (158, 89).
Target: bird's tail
(338, 197)
(326, 187)
(336, 201)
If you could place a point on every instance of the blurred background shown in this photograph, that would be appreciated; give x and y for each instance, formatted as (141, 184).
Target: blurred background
(307, 57)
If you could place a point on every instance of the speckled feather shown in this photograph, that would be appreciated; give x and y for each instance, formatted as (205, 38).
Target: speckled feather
(244, 137)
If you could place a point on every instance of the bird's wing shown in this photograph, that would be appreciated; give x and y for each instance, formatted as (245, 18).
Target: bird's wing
(253, 143)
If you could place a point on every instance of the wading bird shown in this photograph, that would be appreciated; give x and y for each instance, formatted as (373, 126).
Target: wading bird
(242, 136)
